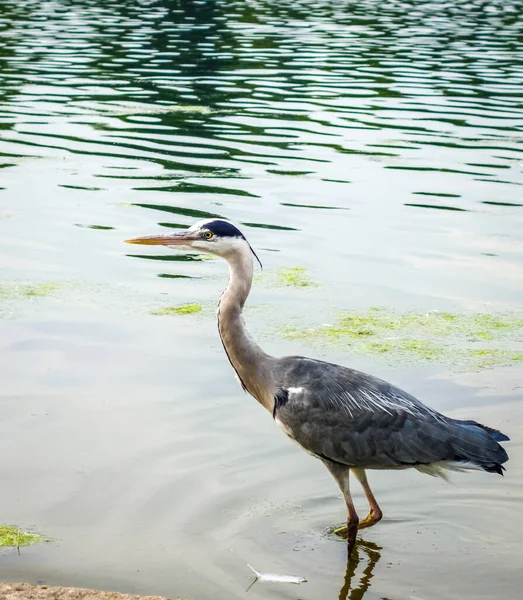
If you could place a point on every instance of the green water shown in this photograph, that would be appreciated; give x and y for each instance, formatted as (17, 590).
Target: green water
(372, 152)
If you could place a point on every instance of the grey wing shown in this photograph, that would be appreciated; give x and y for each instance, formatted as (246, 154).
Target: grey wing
(348, 417)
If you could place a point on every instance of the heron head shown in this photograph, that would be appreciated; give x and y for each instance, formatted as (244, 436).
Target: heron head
(214, 236)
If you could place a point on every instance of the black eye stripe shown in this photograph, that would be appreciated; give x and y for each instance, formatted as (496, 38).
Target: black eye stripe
(223, 229)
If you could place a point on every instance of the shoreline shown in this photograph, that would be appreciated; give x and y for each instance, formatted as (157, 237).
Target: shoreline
(29, 591)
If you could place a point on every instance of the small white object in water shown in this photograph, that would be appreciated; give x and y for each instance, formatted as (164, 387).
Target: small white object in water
(274, 578)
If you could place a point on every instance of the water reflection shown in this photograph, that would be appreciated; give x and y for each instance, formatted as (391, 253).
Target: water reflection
(436, 206)
(191, 85)
(366, 554)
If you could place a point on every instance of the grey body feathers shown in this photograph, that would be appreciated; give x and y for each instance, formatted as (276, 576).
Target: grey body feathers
(344, 416)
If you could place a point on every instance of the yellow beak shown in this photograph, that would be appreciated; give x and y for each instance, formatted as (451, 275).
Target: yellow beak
(181, 238)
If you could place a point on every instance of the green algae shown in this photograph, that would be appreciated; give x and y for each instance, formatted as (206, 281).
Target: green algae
(295, 277)
(420, 348)
(487, 359)
(15, 537)
(182, 309)
(479, 340)
(17, 299)
(35, 290)
(22, 298)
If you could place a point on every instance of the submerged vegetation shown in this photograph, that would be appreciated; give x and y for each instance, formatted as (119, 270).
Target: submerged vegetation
(27, 290)
(14, 537)
(290, 277)
(296, 277)
(182, 309)
(471, 340)
(434, 336)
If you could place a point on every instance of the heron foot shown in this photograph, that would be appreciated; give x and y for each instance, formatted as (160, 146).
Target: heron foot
(371, 519)
(341, 531)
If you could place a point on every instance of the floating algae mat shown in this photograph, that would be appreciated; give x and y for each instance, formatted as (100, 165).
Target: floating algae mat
(36, 290)
(182, 309)
(296, 277)
(477, 340)
(17, 298)
(289, 277)
(15, 537)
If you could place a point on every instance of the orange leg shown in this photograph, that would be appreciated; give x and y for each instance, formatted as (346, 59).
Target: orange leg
(375, 513)
(342, 475)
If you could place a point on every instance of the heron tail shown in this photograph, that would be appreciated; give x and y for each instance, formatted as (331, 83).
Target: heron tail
(494, 433)
(478, 444)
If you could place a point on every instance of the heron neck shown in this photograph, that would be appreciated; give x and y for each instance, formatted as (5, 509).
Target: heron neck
(247, 358)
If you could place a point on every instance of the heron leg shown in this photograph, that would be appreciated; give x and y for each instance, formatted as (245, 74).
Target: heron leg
(375, 513)
(342, 476)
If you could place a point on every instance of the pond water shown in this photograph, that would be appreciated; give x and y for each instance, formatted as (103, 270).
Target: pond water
(377, 145)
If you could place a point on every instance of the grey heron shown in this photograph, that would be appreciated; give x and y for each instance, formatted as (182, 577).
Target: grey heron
(349, 420)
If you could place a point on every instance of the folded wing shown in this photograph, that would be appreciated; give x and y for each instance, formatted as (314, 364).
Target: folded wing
(348, 417)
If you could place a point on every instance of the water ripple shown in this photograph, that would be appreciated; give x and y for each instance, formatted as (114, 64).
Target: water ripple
(322, 127)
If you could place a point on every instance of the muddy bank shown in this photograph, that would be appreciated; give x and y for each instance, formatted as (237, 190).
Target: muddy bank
(26, 591)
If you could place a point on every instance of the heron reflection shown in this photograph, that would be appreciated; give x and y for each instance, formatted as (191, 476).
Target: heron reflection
(363, 551)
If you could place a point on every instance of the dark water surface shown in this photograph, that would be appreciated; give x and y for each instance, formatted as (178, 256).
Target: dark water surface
(377, 144)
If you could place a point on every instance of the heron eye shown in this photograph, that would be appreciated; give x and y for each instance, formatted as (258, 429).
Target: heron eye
(208, 235)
